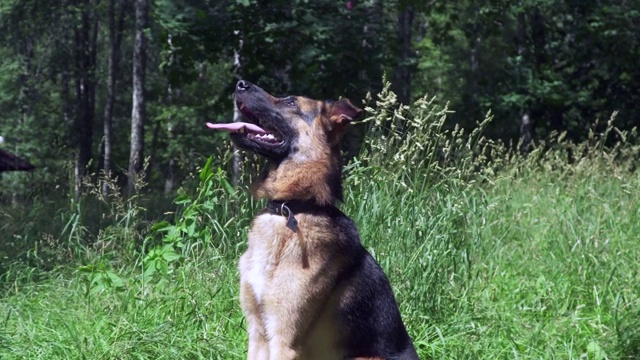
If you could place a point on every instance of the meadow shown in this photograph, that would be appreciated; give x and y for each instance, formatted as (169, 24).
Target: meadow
(491, 254)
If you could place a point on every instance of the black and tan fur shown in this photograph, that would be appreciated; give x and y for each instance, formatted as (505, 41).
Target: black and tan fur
(314, 293)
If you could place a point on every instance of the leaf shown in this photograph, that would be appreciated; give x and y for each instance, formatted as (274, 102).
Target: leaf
(171, 256)
(160, 226)
(150, 268)
(206, 170)
(86, 268)
(227, 186)
(595, 351)
(115, 280)
(183, 199)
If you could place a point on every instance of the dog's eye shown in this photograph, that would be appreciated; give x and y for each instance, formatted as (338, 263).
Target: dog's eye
(290, 101)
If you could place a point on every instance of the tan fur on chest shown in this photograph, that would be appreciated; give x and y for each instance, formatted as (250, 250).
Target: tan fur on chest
(277, 257)
(284, 282)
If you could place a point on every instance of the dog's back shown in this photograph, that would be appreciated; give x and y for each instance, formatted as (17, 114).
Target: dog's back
(369, 315)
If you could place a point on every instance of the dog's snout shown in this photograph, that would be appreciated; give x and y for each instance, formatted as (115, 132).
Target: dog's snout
(243, 85)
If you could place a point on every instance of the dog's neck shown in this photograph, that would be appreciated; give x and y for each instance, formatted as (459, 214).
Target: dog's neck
(312, 179)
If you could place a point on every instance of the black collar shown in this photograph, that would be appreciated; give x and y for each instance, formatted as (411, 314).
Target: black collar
(289, 208)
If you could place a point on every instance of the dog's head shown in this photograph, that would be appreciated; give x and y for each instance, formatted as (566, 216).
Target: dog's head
(279, 127)
(300, 137)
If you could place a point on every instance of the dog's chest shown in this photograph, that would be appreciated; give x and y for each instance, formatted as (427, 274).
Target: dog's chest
(269, 240)
(287, 285)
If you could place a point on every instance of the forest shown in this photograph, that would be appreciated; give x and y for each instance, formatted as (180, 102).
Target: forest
(107, 85)
(493, 174)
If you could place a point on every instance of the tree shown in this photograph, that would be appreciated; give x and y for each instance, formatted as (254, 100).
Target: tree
(138, 113)
(115, 37)
(85, 39)
(560, 62)
(404, 63)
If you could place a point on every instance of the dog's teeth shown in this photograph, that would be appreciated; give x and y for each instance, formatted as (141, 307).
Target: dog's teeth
(264, 137)
(241, 131)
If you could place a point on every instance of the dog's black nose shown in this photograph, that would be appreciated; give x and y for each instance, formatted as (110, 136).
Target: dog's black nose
(243, 85)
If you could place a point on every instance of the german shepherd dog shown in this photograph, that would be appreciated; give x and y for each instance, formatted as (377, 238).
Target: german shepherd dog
(309, 289)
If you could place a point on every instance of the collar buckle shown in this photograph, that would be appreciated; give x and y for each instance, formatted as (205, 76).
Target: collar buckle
(283, 210)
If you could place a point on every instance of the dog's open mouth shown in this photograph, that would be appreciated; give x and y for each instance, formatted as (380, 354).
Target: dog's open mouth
(250, 131)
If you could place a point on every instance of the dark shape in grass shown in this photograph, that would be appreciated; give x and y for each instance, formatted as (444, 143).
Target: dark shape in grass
(11, 162)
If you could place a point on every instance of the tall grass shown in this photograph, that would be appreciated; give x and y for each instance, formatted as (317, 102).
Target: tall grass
(492, 254)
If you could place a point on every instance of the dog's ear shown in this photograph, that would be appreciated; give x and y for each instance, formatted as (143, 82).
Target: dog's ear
(340, 114)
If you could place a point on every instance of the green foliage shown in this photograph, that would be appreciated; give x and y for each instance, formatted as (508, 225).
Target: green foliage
(199, 224)
(561, 62)
(407, 139)
(307, 47)
(99, 278)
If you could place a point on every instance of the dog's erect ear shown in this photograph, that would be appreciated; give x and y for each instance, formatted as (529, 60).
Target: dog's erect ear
(341, 113)
(344, 111)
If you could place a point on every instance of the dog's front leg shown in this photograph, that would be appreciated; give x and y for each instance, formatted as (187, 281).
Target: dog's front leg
(258, 343)
(282, 338)
(280, 350)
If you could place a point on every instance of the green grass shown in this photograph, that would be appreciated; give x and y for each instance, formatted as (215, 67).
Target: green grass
(538, 265)
(555, 271)
(194, 315)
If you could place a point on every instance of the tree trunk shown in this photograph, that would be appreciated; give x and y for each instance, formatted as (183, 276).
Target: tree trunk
(475, 40)
(402, 76)
(238, 157)
(63, 40)
(115, 37)
(170, 179)
(85, 40)
(524, 58)
(24, 96)
(475, 65)
(525, 133)
(370, 78)
(138, 112)
(236, 168)
(539, 39)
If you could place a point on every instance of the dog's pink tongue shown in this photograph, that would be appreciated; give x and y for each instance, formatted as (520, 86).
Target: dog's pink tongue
(237, 126)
